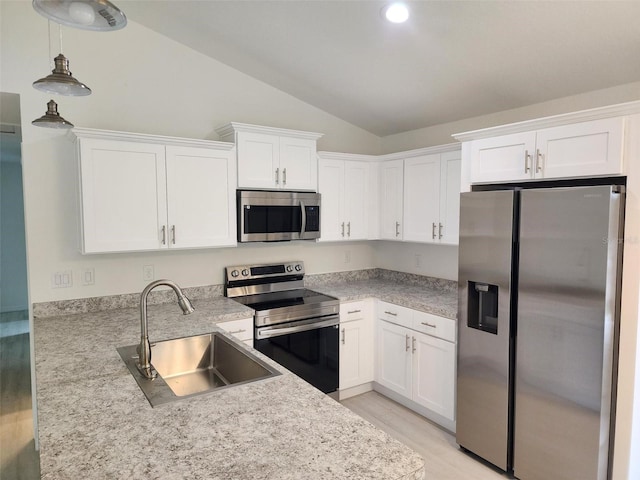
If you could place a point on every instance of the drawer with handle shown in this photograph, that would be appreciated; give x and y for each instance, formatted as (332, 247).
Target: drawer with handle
(434, 325)
(395, 314)
(241, 329)
(354, 310)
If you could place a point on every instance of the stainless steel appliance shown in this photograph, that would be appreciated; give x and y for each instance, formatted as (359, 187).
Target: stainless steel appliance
(296, 327)
(267, 216)
(538, 320)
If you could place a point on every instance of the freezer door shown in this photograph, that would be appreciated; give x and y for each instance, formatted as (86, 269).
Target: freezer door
(484, 293)
(565, 334)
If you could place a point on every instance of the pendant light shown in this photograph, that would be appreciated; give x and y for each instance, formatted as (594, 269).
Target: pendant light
(52, 119)
(97, 15)
(61, 81)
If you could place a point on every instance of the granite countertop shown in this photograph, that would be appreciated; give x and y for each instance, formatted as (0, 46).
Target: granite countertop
(436, 297)
(95, 423)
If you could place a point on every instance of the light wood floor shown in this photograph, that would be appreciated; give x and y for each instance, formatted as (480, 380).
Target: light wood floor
(443, 458)
(18, 457)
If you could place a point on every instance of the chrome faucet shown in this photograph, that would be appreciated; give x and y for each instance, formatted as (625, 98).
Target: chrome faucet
(144, 349)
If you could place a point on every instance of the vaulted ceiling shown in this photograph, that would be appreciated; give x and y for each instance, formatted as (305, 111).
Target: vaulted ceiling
(451, 60)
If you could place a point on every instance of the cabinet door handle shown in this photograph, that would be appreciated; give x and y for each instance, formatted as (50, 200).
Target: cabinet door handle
(413, 344)
(173, 234)
(406, 348)
(391, 313)
(277, 176)
(397, 229)
(428, 324)
(343, 229)
(348, 229)
(538, 163)
(433, 230)
(284, 176)
(234, 332)
(351, 312)
(527, 157)
(440, 230)
(343, 336)
(164, 234)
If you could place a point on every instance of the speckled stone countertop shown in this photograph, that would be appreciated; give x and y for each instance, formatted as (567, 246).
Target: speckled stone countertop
(95, 423)
(427, 294)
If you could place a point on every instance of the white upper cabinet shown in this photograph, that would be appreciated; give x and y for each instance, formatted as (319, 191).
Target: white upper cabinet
(391, 192)
(422, 198)
(145, 192)
(273, 158)
(345, 189)
(592, 148)
(450, 172)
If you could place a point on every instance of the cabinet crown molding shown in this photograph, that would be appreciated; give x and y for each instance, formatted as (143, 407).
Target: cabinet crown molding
(448, 147)
(234, 127)
(618, 110)
(76, 133)
(354, 157)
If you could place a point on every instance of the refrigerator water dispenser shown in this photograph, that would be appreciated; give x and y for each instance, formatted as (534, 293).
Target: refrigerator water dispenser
(482, 311)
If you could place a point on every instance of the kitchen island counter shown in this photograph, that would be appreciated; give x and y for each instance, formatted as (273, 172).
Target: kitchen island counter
(95, 423)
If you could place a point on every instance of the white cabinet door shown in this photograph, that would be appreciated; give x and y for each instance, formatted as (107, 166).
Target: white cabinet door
(298, 164)
(581, 149)
(356, 193)
(450, 168)
(433, 379)
(123, 191)
(331, 187)
(508, 157)
(421, 198)
(394, 358)
(356, 353)
(200, 197)
(259, 160)
(391, 180)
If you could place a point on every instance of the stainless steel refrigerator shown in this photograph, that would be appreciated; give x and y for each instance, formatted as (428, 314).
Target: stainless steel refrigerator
(538, 316)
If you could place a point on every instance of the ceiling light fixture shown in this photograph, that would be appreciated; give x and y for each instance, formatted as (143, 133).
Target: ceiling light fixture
(396, 12)
(97, 15)
(52, 119)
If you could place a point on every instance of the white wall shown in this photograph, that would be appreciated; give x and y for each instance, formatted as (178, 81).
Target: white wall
(433, 260)
(141, 82)
(441, 134)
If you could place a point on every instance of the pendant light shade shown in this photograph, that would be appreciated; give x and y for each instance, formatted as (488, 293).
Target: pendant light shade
(52, 118)
(61, 82)
(97, 15)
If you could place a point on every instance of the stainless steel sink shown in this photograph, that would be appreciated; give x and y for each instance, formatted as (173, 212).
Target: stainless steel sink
(195, 365)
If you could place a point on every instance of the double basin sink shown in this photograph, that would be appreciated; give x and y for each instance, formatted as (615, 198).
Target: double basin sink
(195, 365)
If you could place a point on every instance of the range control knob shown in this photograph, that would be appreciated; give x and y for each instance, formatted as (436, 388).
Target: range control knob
(289, 268)
(298, 267)
(235, 273)
(245, 272)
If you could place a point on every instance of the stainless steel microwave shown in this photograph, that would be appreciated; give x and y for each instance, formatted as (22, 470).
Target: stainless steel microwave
(269, 216)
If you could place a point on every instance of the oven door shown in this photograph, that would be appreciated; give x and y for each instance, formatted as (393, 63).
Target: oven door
(308, 348)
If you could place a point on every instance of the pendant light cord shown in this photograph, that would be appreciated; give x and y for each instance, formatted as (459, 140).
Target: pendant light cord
(60, 33)
(51, 62)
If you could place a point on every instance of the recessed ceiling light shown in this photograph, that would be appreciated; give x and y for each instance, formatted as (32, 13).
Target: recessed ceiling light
(396, 12)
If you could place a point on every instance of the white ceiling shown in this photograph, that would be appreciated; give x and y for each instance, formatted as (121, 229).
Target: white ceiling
(451, 60)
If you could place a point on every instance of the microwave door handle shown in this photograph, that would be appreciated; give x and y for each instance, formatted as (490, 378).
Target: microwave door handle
(303, 212)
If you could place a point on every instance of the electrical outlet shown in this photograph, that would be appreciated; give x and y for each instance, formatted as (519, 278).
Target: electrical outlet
(88, 276)
(347, 256)
(418, 260)
(147, 273)
(62, 279)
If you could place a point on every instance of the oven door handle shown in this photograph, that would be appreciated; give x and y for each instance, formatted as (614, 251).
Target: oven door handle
(330, 321)
(303, 213)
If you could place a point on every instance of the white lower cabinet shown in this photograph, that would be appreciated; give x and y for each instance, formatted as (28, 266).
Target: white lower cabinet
(241, 329)
(356, 344)
(419, 367)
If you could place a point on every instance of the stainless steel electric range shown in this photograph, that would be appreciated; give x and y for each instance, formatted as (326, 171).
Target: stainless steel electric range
(295, 326)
